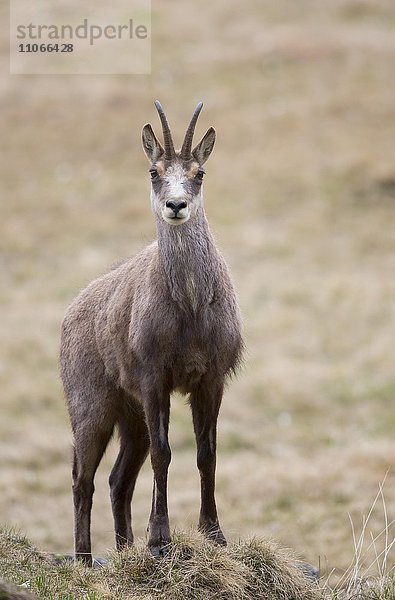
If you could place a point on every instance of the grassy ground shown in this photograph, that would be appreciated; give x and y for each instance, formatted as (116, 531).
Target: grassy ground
(192, 568)
(300, 193)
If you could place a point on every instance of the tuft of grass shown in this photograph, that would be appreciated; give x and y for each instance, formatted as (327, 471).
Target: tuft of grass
(193, 567)
(273, 572)
(364, 578)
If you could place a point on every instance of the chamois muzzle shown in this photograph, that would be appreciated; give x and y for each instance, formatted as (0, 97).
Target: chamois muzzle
(176, 206)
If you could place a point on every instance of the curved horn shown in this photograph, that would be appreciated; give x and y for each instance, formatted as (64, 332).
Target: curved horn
(187, 143)
(168, 140)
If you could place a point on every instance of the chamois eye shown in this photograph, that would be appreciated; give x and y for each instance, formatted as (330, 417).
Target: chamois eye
(199, 175)
(153, 173)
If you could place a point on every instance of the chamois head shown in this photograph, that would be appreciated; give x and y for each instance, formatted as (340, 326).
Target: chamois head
(176, 177)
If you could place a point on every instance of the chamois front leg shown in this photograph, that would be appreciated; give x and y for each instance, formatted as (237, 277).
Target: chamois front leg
(157, 409)
(205, 404)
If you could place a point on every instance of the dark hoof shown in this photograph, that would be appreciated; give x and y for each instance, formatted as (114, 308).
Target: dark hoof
(95, 563)
(214, 534)
(219, 539)
(85, 559)
(159, 551)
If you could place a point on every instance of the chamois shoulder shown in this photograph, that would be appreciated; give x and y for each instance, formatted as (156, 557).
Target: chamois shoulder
(124, 276)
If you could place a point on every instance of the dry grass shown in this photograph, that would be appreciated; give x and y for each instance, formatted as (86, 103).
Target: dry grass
(374, 580)
(300, 195)
(192, 568)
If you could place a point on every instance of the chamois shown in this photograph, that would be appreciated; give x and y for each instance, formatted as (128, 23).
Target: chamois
(162, 321)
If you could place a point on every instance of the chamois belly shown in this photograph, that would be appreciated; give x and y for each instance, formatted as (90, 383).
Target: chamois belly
(187, 369)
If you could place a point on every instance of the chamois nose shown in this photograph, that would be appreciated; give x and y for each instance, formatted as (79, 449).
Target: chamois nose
(176, 206)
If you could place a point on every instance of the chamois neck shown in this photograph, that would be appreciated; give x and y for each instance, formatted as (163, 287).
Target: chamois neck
(190, 261)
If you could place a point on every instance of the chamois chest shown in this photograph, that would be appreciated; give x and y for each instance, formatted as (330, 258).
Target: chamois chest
(187, 345)
(192, 355)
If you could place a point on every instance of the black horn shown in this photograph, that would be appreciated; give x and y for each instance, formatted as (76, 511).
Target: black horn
(187, 143)
(168, 140)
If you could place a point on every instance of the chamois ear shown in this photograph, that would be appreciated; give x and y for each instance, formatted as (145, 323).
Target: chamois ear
(202, 151)
(152, 147)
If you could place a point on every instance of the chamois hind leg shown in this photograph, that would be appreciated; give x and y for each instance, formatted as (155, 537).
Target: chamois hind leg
(205, 403)
(87, 457)
(132, 454)
(92, 432)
